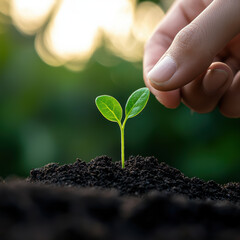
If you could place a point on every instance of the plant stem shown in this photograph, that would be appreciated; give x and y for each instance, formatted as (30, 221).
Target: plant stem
(122, 146)
(122, 142)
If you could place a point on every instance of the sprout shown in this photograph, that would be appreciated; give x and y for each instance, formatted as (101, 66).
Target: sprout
(111, 109)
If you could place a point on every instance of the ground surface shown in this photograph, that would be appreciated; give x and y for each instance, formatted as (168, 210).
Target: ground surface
(140, 176)
(99, 200)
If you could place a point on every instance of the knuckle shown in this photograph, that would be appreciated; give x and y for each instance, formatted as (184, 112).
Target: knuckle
(190, 37)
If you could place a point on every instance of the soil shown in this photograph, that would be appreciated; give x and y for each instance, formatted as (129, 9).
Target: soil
(100, 200)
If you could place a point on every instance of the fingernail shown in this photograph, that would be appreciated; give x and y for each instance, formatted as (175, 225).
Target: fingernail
(162, 71)
(214, 80)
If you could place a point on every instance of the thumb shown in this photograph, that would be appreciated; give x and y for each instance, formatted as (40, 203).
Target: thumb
(195, 46)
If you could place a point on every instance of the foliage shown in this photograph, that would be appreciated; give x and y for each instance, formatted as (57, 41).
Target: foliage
(112, 110)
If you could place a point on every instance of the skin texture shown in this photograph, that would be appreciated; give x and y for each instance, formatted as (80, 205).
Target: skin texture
(202, 38)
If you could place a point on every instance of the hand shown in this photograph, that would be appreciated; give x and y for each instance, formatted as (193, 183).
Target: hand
(194, 57)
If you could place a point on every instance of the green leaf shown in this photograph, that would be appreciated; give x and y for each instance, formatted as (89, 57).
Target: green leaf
(136, 102)
(110, 108)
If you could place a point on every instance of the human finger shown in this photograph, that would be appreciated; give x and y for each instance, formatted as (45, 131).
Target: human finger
(196, 45)
(203, 94)
(177, 18)
(229, 105)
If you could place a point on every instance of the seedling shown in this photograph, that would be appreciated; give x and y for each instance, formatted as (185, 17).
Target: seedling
(111, 109)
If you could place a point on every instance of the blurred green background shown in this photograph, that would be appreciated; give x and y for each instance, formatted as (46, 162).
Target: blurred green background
(48, 114)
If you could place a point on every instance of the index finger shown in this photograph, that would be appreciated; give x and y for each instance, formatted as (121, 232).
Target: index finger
(180, 14)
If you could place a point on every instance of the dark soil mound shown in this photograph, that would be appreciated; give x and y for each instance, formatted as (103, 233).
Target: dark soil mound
(36, 212)
(140, 176)
(100, 200)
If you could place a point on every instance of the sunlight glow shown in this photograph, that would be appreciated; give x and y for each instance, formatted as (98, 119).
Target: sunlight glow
(73, 32)
(4, 7)
(117, 16)
(143, 19)
(29, 15)
(147, 16)
(77, 28)
(117, 28)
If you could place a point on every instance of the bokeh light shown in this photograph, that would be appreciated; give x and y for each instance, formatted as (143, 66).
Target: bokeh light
(28, 16)
(146, 18)
(69, 32)
(4, 7)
